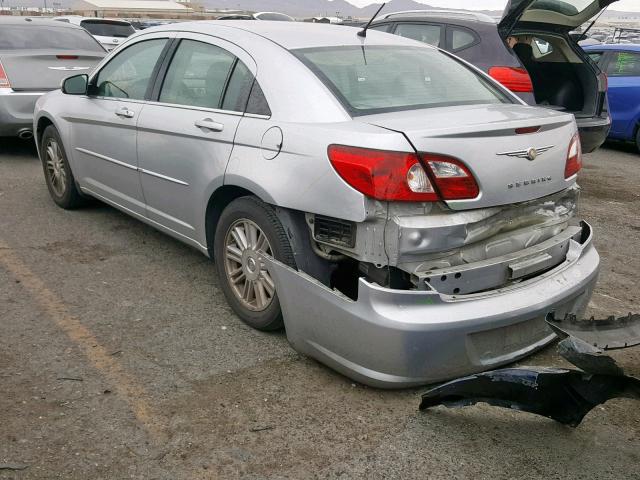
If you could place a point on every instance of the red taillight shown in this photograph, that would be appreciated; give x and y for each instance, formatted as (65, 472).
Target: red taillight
(382, 174)
(574, 157)
(67, 57)
(453, 179)
(400, 176)
(515, 79)
(4, 80)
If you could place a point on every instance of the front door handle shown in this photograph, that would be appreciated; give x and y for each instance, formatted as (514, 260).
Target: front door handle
(209, 124)
(125, 112)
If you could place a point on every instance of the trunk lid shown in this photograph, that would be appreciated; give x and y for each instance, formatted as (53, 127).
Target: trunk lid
(484, 138)
(553, 15)
(41, 70)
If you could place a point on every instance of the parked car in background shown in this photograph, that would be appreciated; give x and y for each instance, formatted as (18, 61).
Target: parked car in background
(405, 217)
(35, 56)
(544, 68)
(270, 16)
(110, 33)
(621, 63)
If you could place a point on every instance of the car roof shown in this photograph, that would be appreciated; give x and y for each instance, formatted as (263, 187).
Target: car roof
(294, 35)
(27, 21)
(449, 15)
(630, 47)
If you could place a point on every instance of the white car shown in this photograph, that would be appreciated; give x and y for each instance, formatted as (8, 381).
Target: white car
(110, 33)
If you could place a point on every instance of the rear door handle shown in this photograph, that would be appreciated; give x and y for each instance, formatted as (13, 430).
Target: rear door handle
(125, 112)
(209, 124)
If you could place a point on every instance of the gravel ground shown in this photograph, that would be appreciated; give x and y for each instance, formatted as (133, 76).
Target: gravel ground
(119, 358)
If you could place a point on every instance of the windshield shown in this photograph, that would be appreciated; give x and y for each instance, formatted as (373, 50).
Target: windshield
(565, 7)
(381, 79)
(38, 37)
(108, 29)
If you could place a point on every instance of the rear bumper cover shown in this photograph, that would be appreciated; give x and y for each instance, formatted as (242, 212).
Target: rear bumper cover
(400, 338)
(16, 111)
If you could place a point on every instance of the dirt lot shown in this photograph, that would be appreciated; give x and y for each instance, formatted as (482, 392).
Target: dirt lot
(119, 358)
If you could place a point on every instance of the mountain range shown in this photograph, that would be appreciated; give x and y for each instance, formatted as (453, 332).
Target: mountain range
(299, 8)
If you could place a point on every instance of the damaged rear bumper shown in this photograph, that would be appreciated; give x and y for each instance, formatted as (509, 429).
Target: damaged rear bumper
(400, 338)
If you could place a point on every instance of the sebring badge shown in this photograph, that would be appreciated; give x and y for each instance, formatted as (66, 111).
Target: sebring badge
(530, 154)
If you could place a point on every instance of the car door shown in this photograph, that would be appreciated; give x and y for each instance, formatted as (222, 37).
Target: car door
(104, 132)
(186, 135)
(623, 71)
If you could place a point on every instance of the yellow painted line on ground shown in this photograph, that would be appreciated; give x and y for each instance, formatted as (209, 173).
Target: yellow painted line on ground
(120, 381)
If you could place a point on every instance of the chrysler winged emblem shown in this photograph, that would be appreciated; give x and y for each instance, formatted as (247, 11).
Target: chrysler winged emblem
(530, 154)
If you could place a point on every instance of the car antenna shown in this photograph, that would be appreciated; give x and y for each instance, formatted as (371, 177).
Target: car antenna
(363, 33)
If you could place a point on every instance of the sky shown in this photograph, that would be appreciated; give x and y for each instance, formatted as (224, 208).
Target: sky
(624, 5)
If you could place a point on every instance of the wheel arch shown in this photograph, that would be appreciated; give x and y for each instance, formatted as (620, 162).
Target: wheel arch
(43, 122)
(218, 201)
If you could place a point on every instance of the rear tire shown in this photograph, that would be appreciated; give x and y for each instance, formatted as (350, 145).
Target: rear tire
(57, 171)
(247, 226)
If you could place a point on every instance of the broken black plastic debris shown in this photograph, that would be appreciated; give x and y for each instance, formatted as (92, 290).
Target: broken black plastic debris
(561, 394)
(564, 395)
(608, 334)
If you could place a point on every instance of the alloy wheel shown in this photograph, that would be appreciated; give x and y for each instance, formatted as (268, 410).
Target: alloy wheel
(56, 172)
(250, 281)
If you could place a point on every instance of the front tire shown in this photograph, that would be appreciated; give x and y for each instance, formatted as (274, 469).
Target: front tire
(246, 227)
(57, 171)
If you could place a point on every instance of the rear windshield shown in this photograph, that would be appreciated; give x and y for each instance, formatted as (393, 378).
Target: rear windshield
(277, 17)
(565, 7)
(380, 79)
(108, 29)
(38, 37)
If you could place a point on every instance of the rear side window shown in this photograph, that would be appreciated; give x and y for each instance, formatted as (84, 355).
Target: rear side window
(38, 37)
(461, 38)
(380, 79)
(624, 64)
(595, 56)
(127, 75)
(197, 75)
(381, 28)
(424, 33)
(235, 98)
(107, 28)
(257, 102)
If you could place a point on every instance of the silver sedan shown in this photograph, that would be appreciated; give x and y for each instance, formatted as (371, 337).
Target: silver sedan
(403, 216)
(35, 56)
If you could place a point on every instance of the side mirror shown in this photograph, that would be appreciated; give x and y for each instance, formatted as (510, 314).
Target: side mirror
(76, 85)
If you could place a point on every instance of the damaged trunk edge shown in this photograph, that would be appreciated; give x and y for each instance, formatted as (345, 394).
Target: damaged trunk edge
(428, 247)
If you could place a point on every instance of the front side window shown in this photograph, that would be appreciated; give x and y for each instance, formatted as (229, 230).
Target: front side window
(380, 79)
(129, 73)
(423, 33)
(197, 75)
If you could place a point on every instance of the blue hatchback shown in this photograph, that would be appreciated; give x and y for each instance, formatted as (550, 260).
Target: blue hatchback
(621, 62)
